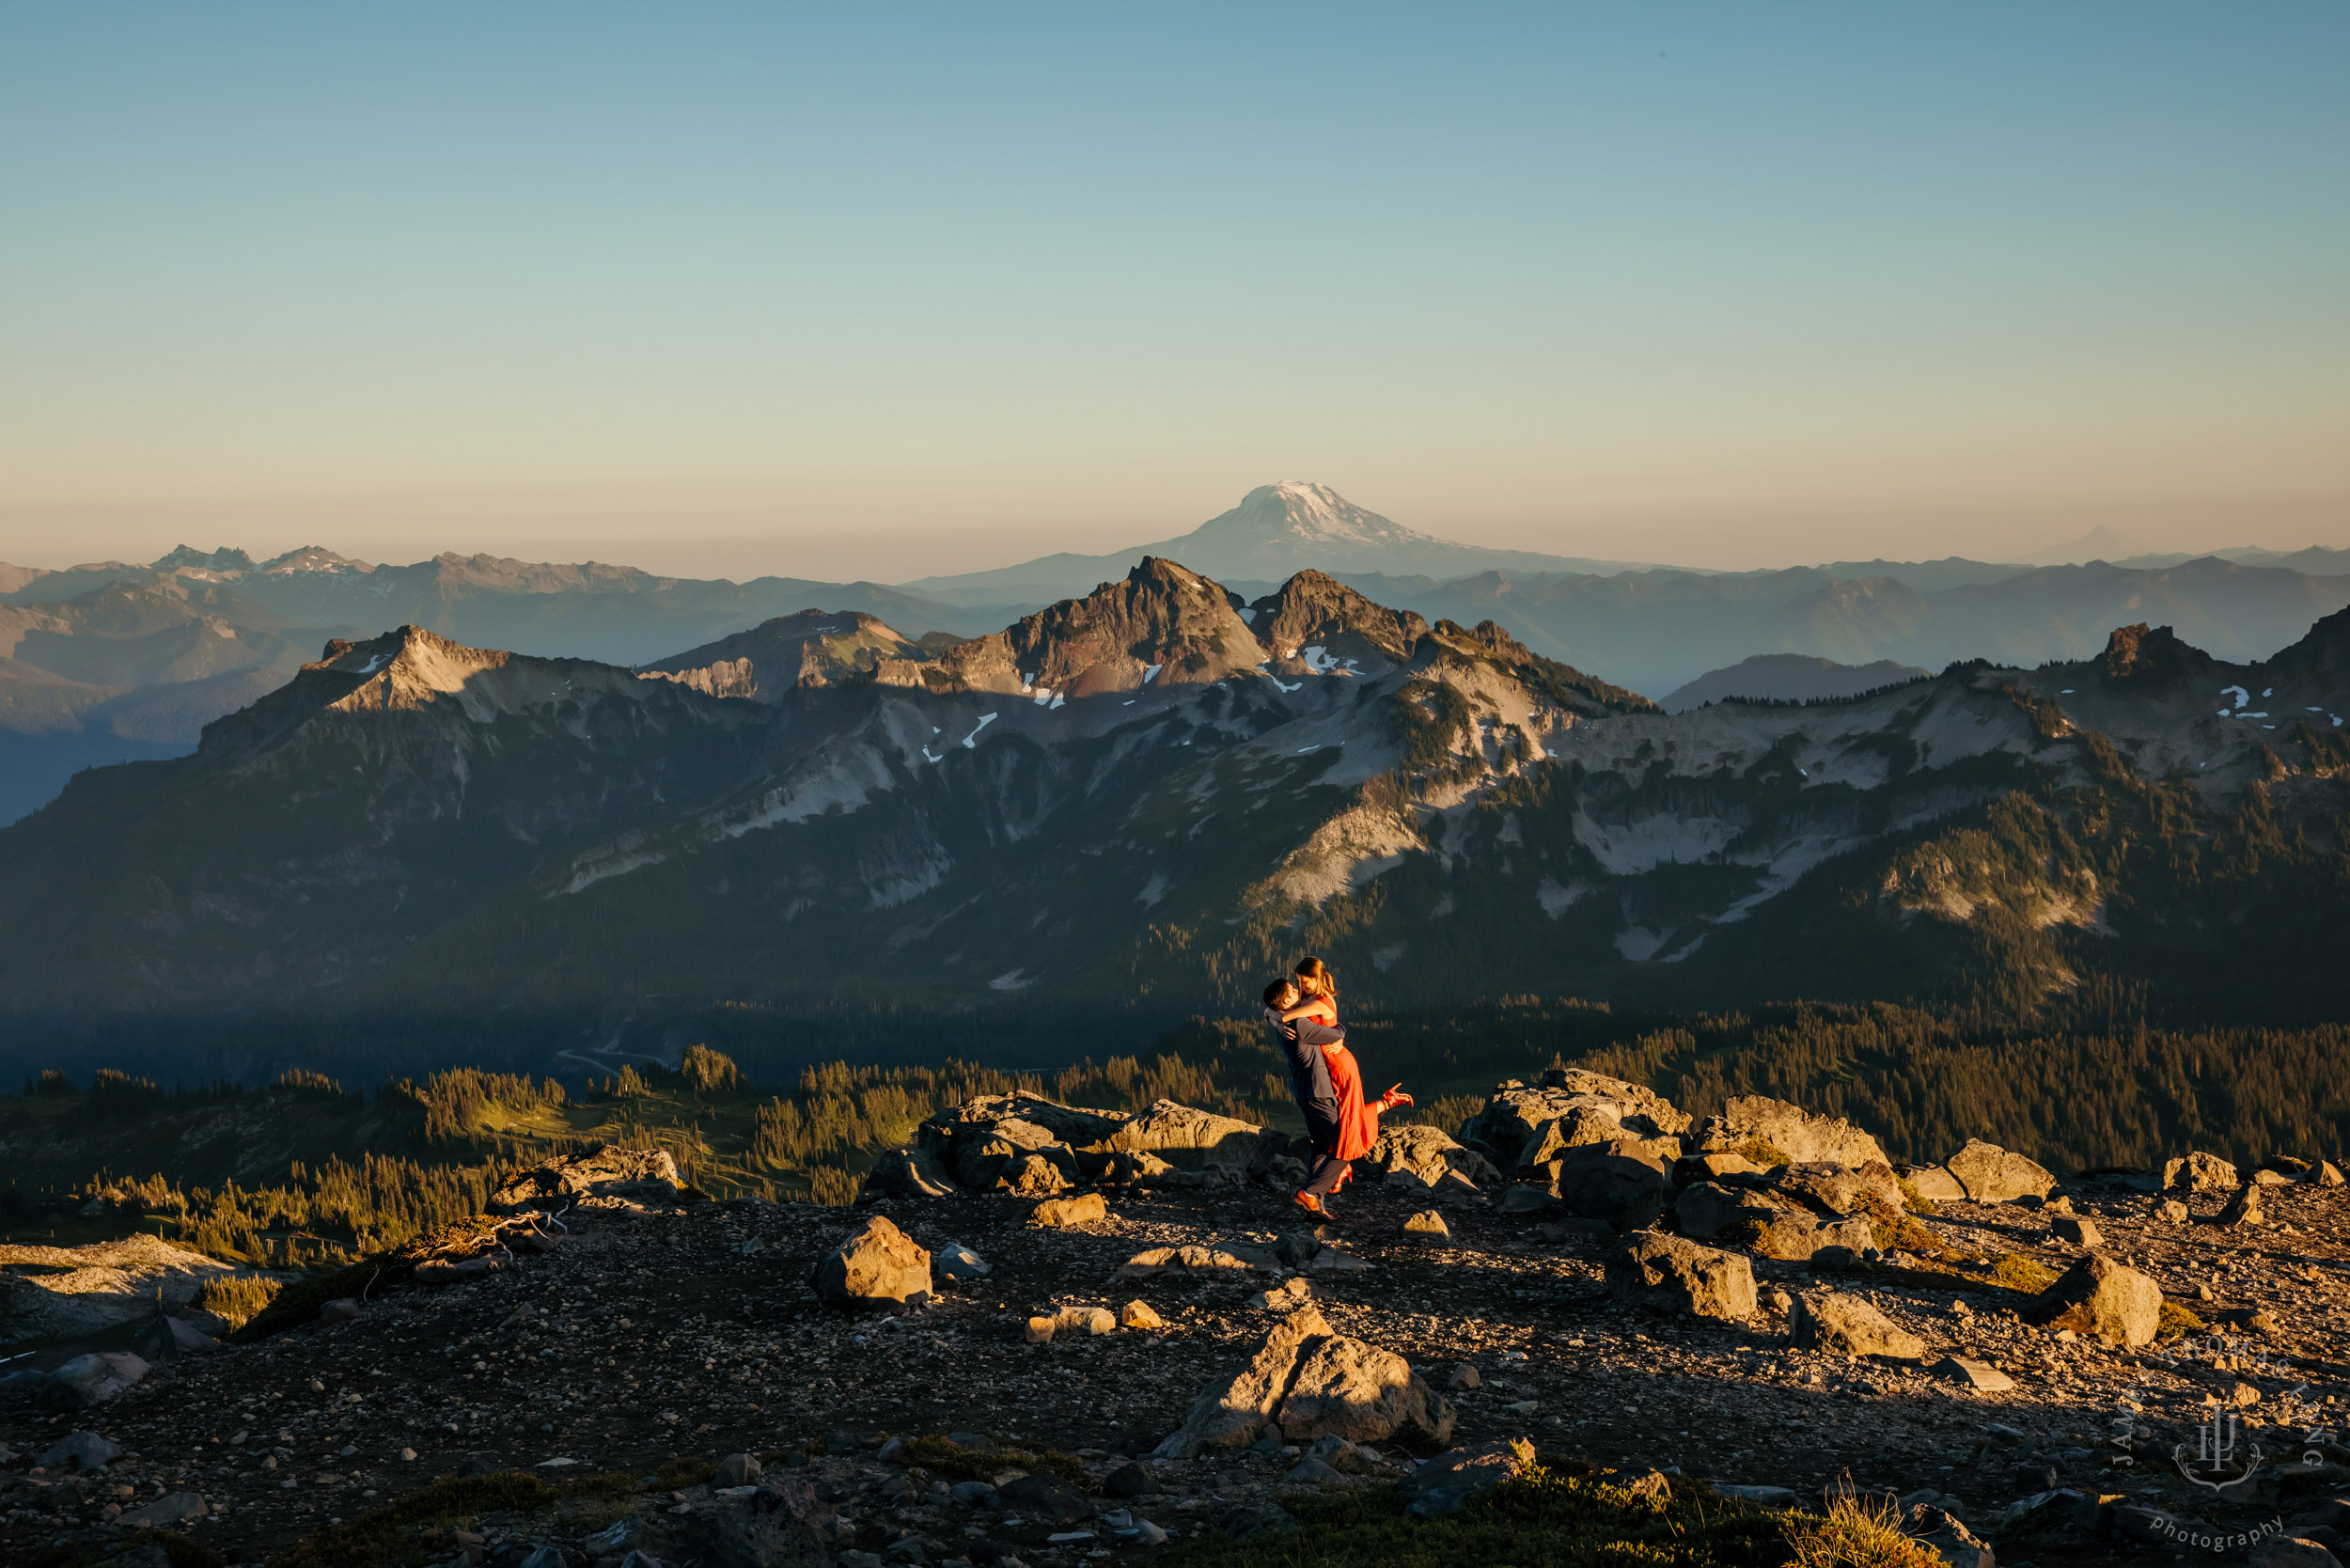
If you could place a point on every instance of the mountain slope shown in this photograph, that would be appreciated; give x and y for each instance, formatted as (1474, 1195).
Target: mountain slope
(1135, 804)
(1790, 678)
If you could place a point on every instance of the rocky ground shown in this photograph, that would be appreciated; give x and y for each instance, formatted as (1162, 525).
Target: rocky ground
(660, 1331)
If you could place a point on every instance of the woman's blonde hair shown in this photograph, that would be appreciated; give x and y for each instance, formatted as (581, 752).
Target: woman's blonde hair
(1314, 975)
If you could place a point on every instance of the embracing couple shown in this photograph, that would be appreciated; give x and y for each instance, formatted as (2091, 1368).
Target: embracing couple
(1339, 1123)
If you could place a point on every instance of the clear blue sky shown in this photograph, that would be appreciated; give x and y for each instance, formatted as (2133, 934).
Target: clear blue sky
(889, 290)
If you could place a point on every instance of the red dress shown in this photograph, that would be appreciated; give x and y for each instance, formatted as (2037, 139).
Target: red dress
(1358, 1121)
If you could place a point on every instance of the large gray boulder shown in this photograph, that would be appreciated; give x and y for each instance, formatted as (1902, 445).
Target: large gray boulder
(1765, 1220)
(1839, 1324)
(2097, 1296)
(1990, 1174)
(1669, 1273)
(1836, 1191)
(1309, 1381)
(912, 1172)
(1189, 1138)
(1512, 1127)
(1430, 1153)
(1748, 1119)
(92, 1379)
(1619, 1183)
(877, 1263)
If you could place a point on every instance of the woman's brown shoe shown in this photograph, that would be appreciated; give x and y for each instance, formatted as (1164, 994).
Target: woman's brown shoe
(1312, 1205)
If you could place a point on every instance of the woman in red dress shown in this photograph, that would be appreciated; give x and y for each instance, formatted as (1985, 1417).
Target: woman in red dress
(1359, 1119)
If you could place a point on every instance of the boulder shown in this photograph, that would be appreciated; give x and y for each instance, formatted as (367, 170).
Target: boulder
(877, 1263)
(1691, 1170)
(1429, 1226)
(1834, 1190)
(1060, 1212)
(1190, 1139)
(1346, 1388)
(1094, 1321)
(1308, 1381)
(1991, 1174)
(2327, 1174)
(1524, 1198)
(1934, 1184)
(1669, 1274)
(84, 1450)
(1940, 1530)
(2174, 1211)
(1839, 1324)
(2198, 1173)
(2290, 1551)
(1440, 1486)
(1509, 1127)
(2097, 1296)
(607, 1172)
(1139, 1314)
(909, 1172)
(1710, 1209)
(2244, 1207)
(1430, 1153)
(163, 1339)
(92, 1379)
(1287, 1296)
(1574, 1127)
(1617, 1183)
(1751, 1117)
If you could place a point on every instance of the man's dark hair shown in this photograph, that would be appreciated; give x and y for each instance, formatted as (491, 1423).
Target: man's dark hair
(1273, 992)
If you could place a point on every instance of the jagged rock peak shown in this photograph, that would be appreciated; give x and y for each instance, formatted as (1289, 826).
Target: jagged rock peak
(1313, 608)
(1164, 624)
(2144, 653)
(223, 559)
(2323, 654)
(813, 648)
(314, 557)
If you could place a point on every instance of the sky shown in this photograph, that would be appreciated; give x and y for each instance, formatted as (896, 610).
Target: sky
(892, 290)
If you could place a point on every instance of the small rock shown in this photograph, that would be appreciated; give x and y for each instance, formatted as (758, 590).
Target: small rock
(2327, 1174)
(1139, 1314)
(737, 1469)
(1313, 1472)
(1130, 1480)
(1040, 1330)
(2174, 1211)
(1945, 1533)
(1250, 1521)
(1427, 1225)
(973, 1494)
(84, 1450)
(2243, 1208)
(1045, 1496)
(1465, 1376)
(1085, 1320)
(92, 1379)
(1287, 1296)
(877, 1263)
(1442, 1484)
(1060, 1212)
(1526, 1199)
(177, 1508)
(341, 1309)
(957, 1262)
(2080, 1232)
(1979, 1375)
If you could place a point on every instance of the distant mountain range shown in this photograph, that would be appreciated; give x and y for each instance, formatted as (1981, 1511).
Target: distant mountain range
(1790, 678)
(111, 662)
(1130, 807)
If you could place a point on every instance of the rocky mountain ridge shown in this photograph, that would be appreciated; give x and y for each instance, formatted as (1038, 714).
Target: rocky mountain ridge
(1153, 790)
